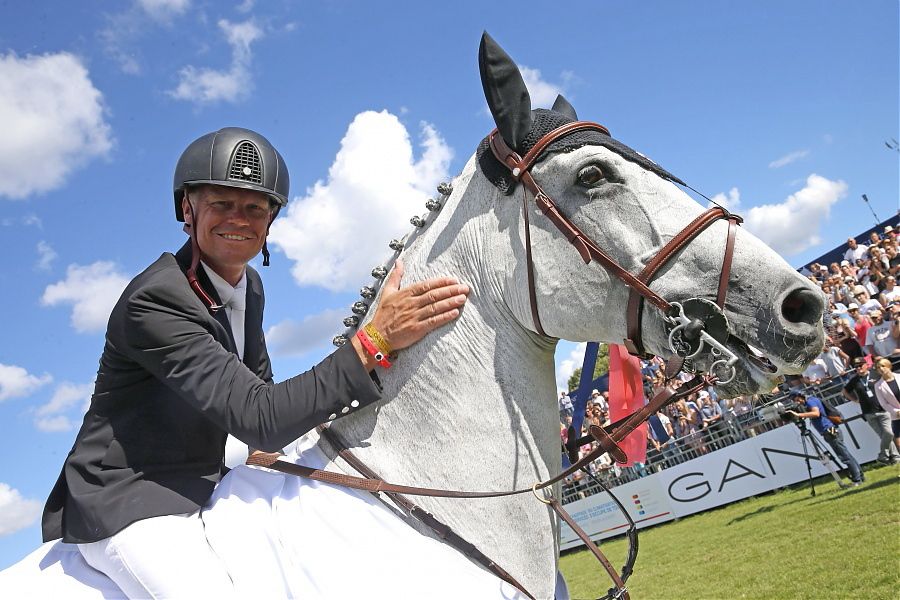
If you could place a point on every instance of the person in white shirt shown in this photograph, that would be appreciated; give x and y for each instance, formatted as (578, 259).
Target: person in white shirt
(883, 337)
(891, 292)
(866, 303)
(855, 250)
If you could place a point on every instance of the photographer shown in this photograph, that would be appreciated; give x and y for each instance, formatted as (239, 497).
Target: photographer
(815, 412)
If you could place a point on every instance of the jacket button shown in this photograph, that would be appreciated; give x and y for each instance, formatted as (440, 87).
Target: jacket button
(345, 410)
(355, 404)
(332, 417)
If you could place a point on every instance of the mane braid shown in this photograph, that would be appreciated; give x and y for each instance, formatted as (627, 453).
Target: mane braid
(369, 292)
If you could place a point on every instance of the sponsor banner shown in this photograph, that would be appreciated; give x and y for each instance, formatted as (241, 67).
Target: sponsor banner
(600, 517)
(753, 466)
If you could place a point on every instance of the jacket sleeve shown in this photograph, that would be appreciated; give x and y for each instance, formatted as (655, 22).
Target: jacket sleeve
(171, 339)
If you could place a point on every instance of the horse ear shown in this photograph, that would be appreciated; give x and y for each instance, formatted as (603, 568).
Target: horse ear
(505, 91)
(562, 106)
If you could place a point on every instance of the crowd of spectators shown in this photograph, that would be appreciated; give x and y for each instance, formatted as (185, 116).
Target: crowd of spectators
(862, 323)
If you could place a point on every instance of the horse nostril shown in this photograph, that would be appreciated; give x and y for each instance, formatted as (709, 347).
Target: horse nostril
(803, 306)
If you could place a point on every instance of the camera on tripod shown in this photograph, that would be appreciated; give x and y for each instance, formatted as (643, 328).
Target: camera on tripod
(786, 415)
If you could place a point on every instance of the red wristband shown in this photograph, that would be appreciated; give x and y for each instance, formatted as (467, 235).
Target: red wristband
(370, 347)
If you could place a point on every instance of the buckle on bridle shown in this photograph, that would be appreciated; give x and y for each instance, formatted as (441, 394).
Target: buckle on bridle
(698, 325)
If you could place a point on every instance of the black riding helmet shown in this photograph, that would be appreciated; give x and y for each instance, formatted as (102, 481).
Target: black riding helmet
(233, 157)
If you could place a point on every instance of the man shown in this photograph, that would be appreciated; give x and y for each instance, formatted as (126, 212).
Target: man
(185, 364)
(883, 337)
(566, 409)
(662, 438)
(891, 292)
(815, 412)
(859, 389)
(599, 400)
(854, 251)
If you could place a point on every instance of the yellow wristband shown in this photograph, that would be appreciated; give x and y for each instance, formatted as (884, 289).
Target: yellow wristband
(378, 339)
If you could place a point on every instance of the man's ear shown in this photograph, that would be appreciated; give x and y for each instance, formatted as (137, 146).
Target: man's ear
(186, 210)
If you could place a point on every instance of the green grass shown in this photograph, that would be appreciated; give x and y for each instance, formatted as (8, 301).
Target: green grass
(839, 544)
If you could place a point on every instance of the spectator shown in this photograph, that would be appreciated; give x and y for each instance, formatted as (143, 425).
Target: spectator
(861, 323)
(861, 389)
(565, 406)
(891, 292)
(598, 400)
(834, 359)
(662, 437)
(874, 240)
(888, 394)
(846, 340)
(893, 256)
(855, 250)
(883, 337)
(848, 269)
(711, 421)
(866, 303)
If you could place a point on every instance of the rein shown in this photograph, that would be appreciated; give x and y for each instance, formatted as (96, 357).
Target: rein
(693, 325)
(607, 439)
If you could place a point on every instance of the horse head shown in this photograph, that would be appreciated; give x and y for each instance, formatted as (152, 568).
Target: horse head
(630, 207)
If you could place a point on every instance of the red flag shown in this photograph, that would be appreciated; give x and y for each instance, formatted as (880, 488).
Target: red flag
(626, 395)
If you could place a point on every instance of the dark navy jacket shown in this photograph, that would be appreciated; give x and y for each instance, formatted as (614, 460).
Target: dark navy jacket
(169, 389)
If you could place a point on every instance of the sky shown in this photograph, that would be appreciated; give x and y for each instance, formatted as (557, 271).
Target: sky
(780, 109)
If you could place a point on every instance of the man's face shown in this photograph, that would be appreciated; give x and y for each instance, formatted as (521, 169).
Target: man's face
(876, 316)
(852, 243)
(862, 369)
(233, 223)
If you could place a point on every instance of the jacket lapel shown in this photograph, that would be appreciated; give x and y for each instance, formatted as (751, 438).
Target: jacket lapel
(183, 257)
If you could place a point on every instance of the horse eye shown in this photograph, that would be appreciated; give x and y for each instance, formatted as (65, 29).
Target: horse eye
(590, 175)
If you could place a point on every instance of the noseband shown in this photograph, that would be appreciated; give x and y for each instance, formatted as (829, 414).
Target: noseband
(688, 322)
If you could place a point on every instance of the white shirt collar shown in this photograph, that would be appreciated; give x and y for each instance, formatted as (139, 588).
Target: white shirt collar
(224, 289)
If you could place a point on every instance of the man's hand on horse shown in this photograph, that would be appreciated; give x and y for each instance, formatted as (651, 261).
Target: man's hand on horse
(407, 314)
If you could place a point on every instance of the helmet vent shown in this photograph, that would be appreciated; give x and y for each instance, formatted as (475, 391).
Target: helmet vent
(246, 164)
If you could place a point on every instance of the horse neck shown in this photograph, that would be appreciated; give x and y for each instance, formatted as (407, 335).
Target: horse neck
(478, 385)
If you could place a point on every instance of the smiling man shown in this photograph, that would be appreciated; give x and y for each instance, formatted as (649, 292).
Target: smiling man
(185, 364)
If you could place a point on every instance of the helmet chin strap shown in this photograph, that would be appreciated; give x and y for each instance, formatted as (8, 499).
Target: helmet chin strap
(195, 261)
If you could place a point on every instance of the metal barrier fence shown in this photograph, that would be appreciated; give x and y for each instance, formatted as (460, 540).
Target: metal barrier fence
(727, 431)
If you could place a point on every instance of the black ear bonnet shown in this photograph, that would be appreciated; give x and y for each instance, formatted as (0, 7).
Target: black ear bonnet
(543, 122)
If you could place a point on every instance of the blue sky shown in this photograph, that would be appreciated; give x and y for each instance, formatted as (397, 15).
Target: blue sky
(782, 108)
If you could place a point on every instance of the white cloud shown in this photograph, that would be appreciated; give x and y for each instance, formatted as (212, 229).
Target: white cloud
(92, 290)
(732, 201)
(46, 255)
(294, 338)
(543, 93)
(788, 159)
(567, 366)
(53, 416)
(793, 225)
(16, 512)
(245, 6)
(53, 122)
(234, 84)
(16, 382)
(162, 10)
(340, 229)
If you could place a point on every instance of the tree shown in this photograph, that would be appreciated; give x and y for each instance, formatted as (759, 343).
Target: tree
(601, 367)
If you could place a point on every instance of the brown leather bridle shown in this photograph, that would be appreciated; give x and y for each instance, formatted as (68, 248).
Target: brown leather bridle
(520, 169)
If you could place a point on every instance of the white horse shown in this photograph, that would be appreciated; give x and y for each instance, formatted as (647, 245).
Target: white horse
(472, 406)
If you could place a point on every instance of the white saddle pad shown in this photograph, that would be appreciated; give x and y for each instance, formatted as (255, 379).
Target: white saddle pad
(282, 536)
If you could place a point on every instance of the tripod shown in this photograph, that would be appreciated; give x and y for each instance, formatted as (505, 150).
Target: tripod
(825, 457)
